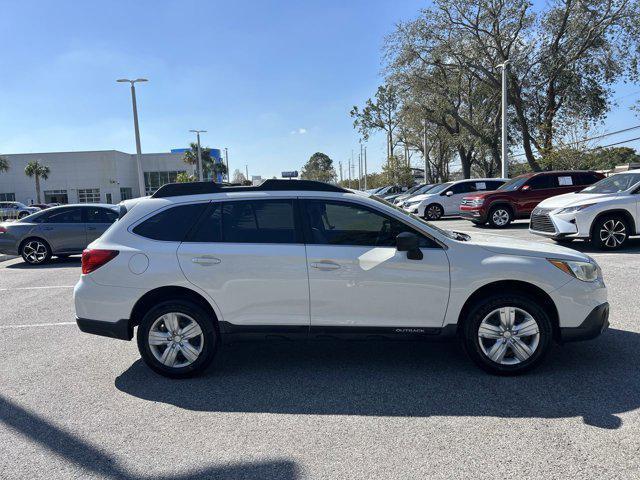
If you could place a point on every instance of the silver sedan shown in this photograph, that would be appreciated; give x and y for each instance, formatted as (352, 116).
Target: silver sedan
(58, 231)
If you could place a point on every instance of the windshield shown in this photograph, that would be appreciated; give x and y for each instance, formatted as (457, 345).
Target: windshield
(413, 189)
(514, 183)
(614, 184)
(440, 188)
(446, 233)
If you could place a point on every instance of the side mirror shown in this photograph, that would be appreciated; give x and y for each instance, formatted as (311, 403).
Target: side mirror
(525, 188)
(448, 193)
(410, 243)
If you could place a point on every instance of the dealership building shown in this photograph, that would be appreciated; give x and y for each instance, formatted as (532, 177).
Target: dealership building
(106, 176)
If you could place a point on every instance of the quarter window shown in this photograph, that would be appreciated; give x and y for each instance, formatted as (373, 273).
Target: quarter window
(172, 224)
(335, 223)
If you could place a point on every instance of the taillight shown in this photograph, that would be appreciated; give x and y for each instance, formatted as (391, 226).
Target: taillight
(3, 229)
(94, 259)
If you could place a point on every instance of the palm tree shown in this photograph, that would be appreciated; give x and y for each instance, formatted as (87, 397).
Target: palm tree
(4, 164)
(37, 170)
(209, 165)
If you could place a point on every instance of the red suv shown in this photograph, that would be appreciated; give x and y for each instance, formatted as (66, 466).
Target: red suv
(518, 197)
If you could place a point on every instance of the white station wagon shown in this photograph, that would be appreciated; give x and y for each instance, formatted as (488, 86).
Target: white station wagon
(198, 264)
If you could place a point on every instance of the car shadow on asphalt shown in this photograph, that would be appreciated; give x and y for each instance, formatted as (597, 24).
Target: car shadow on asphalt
(593, 380)
(51, 264)
(95, 461)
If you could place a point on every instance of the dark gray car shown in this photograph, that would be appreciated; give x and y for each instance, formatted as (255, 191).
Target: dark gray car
(58, 231)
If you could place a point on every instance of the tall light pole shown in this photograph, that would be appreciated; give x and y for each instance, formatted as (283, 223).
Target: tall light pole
(424, 150)
(200, 173)
(365, 167)
(226, 160)
(137, 131)
(505, 160)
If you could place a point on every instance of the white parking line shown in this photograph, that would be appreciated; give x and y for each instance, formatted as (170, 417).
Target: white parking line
(37, 325)
(35, 288)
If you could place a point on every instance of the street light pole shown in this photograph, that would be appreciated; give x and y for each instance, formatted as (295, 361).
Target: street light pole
(226, 160)
(136, 128)
(365, 167)
(505, 160)
(200, 172)
(424, 150)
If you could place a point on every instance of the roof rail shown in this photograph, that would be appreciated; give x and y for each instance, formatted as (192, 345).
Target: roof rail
(199, 188)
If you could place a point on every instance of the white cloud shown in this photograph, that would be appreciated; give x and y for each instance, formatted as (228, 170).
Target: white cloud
(299, 131)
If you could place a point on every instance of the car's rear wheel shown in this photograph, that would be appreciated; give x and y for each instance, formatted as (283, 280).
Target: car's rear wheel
(177, 339)
(507, 334)
(35, 251)
(610, 232)
(500, 216)
(433, 212)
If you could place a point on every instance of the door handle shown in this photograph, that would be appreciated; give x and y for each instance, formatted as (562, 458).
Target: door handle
(206, 260)
(325, 265)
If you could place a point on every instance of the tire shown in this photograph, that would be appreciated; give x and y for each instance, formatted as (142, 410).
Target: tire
(35, 251)
(191, 355)
(433, 212)
(610, 232)
(500, 216)
(511, 357)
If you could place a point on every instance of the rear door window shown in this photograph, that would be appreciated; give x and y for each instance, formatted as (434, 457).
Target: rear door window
(564, 180)
(259, 221)
(171, 224)
(65, 215)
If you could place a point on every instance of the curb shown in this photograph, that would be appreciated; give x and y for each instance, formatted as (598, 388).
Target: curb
(4, 258)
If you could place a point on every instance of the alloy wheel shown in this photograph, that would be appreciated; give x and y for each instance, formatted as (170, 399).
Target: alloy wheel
(176, 340)
(500, 217)
(35, 251)
(508, 335)
(434, 212)
(613, 233)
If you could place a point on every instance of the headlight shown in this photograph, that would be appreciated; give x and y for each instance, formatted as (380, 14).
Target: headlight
(476, 202)
(575, 209)
(411, 204)
(585, 271)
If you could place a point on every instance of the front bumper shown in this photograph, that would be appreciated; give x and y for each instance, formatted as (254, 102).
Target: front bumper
(476, 215)
(592, 326)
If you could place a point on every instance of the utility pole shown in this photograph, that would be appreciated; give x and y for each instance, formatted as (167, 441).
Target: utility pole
(226, 160)
(505, 160)
(424, 150)
(365, 167)
(136, 131)
(200, 172)
(340, 165)
(246, 169)
(360, 162)
(349, 171)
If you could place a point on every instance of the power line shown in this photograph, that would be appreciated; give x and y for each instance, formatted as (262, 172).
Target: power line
(604, 135)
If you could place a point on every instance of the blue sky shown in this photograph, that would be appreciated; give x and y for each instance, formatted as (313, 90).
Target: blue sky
(272, 80)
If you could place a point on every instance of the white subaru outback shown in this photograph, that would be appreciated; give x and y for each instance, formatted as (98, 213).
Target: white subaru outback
(199, 264)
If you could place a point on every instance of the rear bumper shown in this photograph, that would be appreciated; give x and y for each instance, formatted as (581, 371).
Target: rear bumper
(8, 246)
(120, 329)
(592, 326)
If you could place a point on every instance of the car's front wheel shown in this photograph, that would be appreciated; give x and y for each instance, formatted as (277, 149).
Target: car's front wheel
(177, 339)
(507, 334)
(500, 216)
(610, 233)
(35, 251)
(433, 212)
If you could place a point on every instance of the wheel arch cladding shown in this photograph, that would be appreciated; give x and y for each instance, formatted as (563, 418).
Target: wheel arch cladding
(162, 294)
(514, 287)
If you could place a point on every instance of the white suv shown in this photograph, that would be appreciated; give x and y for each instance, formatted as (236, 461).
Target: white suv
(444, 199)
(197, 264)
(606, 213)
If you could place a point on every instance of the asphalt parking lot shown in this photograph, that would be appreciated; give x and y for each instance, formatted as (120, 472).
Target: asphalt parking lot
(74, 405)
